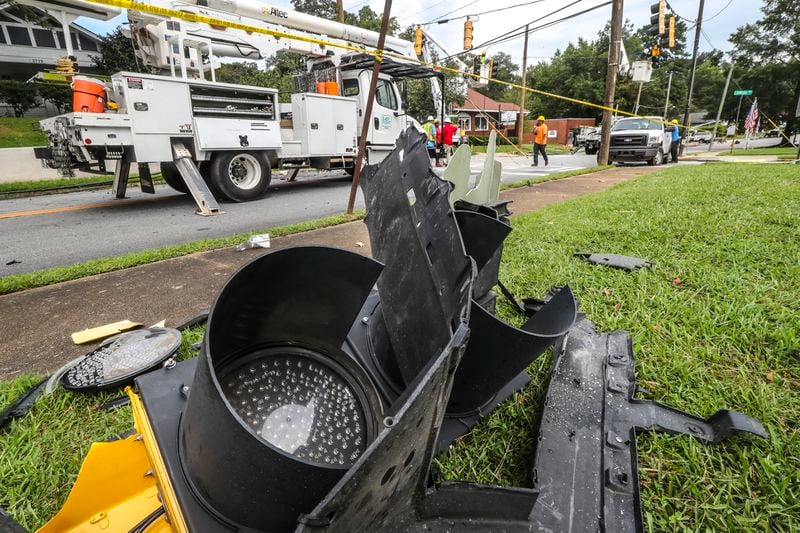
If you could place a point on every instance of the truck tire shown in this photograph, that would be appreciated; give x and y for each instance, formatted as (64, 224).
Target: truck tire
(173, 178)
(240, 176)
(657, 159)
(591, 150)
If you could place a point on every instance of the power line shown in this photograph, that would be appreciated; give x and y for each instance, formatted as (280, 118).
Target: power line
(424, 10)
(449, 12)
(718, 13)
(514, 34)
(439, 20)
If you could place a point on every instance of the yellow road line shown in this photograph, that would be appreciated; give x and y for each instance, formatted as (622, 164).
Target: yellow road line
(79, 207)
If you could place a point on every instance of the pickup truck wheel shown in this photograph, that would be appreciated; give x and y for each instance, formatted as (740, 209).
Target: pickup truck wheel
(240, 176)
(173, 178)
(657, 159)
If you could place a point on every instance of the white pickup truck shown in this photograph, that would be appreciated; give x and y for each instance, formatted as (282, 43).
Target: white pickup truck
(639, 139)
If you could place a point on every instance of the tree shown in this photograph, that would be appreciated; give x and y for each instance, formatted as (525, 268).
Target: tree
(60, 95)
(365, 18)
(506, 70)
(116, 54)
(768, 56)
(19, 95)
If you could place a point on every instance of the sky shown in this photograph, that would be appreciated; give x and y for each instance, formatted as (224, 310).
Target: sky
(721, 18)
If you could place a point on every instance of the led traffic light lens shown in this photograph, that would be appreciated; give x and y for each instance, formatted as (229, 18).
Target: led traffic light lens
(300, 403)
(121, 358)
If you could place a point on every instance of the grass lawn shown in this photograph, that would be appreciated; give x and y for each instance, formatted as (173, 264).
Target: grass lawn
(785, 150)
(20, 132)
(715, 324)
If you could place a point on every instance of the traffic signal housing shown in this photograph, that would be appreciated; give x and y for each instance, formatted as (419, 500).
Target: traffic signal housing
(418, 41)
(468, 34)
(657, 18)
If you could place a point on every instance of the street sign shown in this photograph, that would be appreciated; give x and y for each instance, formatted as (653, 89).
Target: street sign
(743, 92)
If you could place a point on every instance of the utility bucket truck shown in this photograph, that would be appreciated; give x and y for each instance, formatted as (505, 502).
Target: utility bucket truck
(219, 140)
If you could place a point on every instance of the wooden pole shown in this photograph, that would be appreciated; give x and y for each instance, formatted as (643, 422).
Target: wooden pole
(373, 84)
(614, 44)
(698, 29)
(521, 127)
(340, 10)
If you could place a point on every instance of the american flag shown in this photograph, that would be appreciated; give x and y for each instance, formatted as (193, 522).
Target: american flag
(752, 120)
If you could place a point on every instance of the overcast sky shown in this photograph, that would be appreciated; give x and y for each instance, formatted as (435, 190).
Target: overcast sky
(721, 18)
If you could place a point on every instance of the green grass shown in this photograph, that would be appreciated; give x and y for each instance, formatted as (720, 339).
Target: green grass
(726, 335)
(787, 150)
(21, 132)
(553, 176)
(552, 149)
(41, 278)
(40, 455)
(37, 187)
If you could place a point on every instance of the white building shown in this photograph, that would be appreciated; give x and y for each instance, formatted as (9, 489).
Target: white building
(32, 40)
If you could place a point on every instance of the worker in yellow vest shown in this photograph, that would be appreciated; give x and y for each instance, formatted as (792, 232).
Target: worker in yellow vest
(539, 141)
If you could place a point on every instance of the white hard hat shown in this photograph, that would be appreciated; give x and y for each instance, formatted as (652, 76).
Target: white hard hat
(429, 119)
(447, 119)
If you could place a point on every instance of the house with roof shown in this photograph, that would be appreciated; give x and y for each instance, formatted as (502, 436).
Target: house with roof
(31, 40)
(478, 113)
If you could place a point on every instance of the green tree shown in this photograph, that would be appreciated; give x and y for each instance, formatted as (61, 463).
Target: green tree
(768, 60)
(364, 18)
(58, 94)
(19, 95)
(506, 70)
(278, 74)
(116, 54)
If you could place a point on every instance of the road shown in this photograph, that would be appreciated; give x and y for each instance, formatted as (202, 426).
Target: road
(59, 230)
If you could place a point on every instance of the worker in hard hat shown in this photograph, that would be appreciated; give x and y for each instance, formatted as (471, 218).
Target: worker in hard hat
(540, 141)
(437, 133)
(430, 131)
(448, 131)
(676, 142)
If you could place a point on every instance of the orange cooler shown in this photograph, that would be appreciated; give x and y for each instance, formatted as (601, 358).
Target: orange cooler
(88, 95)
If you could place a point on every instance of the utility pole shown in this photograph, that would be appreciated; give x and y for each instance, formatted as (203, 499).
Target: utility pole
(373, 85)
(340, 10)
(520, 128)
(721, 103)
(697, 30)
(638, 97)
(666, 102)
(614, 44)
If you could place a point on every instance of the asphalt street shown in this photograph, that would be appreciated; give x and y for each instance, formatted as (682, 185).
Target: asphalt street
(59, 230)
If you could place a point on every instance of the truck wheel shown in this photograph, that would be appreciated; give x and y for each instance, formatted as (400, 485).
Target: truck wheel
(173, 178)
(240, 176)
(657, 159)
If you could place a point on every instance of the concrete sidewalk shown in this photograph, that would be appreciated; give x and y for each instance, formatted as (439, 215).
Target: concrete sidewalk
(36, 324)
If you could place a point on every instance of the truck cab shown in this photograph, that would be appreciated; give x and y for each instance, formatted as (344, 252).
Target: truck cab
(639, 139)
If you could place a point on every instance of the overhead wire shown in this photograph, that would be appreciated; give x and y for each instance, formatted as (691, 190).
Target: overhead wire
(718, 13)
(516, 33)
(439, 20)
(423, 10)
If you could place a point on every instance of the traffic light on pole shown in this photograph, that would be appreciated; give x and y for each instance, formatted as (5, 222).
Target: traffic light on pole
(492, 69)
(418, 41)
(671, 32)
(657, 11)
(468, 34)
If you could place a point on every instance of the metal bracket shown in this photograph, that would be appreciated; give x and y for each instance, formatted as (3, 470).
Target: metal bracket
(623, 262)
(206, 203)
(585, 466)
